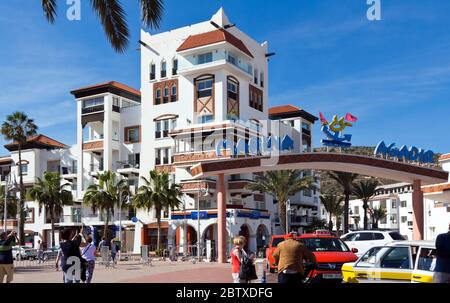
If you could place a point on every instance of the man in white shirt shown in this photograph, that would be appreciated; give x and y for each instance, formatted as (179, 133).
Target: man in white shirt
(88, 253)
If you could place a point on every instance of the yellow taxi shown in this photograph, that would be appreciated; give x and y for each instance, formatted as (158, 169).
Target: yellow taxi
(396, 262)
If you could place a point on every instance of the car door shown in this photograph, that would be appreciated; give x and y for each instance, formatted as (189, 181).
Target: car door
(394, 266)
(364, 242)
(424, 267)
(368, 261)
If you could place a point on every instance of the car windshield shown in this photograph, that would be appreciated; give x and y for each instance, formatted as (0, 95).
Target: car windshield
(325, 244)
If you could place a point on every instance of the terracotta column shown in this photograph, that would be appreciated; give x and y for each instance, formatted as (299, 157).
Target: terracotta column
(221, 218)
(417, 211)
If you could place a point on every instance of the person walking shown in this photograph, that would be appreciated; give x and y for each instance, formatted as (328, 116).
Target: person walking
(88, 253)
(113, 251)
(237, 254)
(101, 244)
(442, 270)
(68, 253)
(6, 258)
(40, 251)
(289, 257)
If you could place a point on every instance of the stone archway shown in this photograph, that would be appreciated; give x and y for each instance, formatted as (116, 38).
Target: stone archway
(191, 237)
(245, 232)
(262, 237)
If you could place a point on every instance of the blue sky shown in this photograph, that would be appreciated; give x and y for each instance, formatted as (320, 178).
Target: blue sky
(393, 74)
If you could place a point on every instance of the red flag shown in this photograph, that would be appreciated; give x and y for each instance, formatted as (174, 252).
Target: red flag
(350, 117)
(322, 118)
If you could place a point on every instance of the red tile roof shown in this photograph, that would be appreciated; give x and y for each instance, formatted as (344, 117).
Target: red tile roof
(283, 109)
(110, 83)
(38, 141)
(444, 157)
(215, 36)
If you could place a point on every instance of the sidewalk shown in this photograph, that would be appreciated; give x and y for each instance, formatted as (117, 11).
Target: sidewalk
(133, 272)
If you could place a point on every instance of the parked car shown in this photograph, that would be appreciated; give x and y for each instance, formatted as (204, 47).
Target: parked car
(396, 262)
(51, 253)
(24, 253)
(330, 251)
(366, 239)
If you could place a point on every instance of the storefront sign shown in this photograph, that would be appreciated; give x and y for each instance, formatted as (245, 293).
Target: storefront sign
(195, 216)
(255, 145)
(413, 153)
(334, 130)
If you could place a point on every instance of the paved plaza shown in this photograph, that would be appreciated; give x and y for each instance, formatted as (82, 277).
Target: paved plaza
(134, 272)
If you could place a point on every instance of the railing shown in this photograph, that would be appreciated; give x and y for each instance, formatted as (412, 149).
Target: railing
(128, 164)
(93, 109)
(301, 219)
(70, 219)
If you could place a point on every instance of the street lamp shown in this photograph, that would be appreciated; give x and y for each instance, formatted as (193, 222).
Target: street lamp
(288, 213)
(120, 218)
(205, 194)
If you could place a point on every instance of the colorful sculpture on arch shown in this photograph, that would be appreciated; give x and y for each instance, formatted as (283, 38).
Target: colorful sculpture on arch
(335, 130)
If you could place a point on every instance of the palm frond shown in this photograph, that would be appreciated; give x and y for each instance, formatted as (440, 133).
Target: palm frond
(151, 13)
(113, 19)
(49, 7)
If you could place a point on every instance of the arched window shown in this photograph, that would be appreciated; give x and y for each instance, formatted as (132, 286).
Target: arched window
(158, 96)
(204, 85)
(152, 71)
(166, 95)
(174, 67)
(174, 93)
(163, 69)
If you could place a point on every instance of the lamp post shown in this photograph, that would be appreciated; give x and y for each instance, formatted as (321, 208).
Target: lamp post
(5, 209)
(206, 193)
(120, 219)
(288, 213)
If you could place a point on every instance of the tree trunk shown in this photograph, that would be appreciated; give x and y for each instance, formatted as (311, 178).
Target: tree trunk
(366, 220)
(282, 215)
(105, 231)
(21, 222)
(52, 221)
(158, 239)
(346, 207)
(330, 225)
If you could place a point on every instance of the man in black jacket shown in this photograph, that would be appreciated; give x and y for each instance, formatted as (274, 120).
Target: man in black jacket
(70, 256)
(442, 271)
(6, 258)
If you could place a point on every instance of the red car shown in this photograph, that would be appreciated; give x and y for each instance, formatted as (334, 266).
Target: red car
(330, 251)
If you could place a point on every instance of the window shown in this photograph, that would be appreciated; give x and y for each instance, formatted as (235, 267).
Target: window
(116, 101)
(163, 69)
(378, 236)
(93, 102)
(175, 67)
(397, 257)
(410, 223)
(24, 169)
(134, 160)
(427, 259)
(232, 59)
(166, 95)
(205, 119)
(403, 204)
(204, 58)
(158, 97)
(174, 94)
(404, 219)
(261, 79)
(306, 126)
(204, 88)
(232, 90)
(356, 210)
(394, 204)
(255, 76)
(162, 128)
(132, 134)
(371, 257)
(152, 72)
(363, 237)
(396, 236)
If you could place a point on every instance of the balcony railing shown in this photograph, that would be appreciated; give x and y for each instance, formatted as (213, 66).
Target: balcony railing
(93, 109)
(300, 220)
(70, 219)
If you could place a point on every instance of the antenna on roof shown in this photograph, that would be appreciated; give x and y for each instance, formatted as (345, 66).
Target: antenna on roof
(148, 47)
(270, 55)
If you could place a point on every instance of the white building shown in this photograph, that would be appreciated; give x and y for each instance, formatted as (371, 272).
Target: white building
(200, 84)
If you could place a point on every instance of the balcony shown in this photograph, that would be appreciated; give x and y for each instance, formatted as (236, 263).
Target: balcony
(95, 145)
(93, 109)
(195, 185)
(128, 168)
(71, 220)
(194, 157)
(69, 173)
(300, 220)
(96, 169)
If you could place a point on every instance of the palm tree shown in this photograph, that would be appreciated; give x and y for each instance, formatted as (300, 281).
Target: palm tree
(281, 185)
(11, 204)
(338, 214)
(52, 196)
(345, 180)
(18, 128)
(159, 193)
(377, 214)
(365, 190)
(113, 18)
(332, 204)
(105, 195)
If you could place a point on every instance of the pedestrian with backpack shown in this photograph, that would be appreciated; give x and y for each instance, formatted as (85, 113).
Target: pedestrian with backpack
(243, 268)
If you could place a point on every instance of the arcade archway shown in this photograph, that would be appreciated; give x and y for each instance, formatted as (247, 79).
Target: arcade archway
(363, 165)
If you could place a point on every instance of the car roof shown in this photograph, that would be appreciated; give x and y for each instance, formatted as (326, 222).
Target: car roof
(305, 236)
(412, 243)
